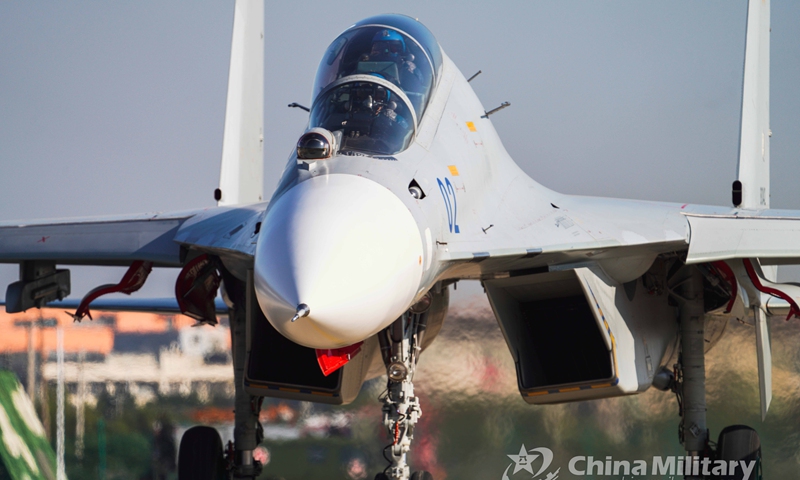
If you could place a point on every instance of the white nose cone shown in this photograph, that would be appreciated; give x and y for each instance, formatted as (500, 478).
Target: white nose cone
(348, 249)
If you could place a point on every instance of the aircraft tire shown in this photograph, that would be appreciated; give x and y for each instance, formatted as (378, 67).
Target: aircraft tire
(740, 442)
(421, 475)
(200, 455)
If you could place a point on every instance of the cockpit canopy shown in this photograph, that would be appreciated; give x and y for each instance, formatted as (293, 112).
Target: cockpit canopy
(374, 83)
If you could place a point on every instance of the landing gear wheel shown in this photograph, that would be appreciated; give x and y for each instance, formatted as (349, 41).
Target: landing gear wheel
(200, 455)
(421, 475)
(740, 442)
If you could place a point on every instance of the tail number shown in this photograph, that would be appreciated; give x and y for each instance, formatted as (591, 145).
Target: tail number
(449, 195)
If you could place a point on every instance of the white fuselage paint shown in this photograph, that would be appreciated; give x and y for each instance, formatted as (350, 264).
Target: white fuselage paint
(345, 237)
(346, 247)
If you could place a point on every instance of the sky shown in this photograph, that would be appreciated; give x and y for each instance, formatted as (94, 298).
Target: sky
(118, 107)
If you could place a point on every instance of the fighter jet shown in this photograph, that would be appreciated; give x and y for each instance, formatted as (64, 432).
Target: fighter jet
(399, 187)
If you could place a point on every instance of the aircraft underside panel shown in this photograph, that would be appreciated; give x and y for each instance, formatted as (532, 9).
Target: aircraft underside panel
(579, 335)
(277, 367)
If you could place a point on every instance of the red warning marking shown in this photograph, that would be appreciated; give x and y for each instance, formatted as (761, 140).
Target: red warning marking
(333, 359)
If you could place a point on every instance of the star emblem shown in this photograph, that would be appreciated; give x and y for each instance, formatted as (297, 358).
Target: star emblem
(523, 460)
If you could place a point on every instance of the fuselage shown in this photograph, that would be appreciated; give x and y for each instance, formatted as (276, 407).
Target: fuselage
(358, 237)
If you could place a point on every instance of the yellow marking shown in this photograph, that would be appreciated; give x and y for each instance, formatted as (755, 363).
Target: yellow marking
(571, 389)
(420, 259)
(453, 170)
(535, 394)
(295, 390)
(471, 127)
(610, 334)
(602, 385)
(322, 393)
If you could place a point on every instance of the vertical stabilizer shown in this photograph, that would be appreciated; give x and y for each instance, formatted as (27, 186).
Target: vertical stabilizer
(753, 169)
(241, 175)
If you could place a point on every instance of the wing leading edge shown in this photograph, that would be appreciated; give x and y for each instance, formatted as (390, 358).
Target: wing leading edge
(94, 241)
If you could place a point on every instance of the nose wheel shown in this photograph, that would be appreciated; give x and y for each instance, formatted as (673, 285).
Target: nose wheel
(400, 346)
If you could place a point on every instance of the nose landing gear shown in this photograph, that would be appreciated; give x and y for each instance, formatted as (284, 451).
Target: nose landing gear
(401, 344)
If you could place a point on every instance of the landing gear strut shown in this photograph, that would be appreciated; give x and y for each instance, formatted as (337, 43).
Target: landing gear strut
(691, 369)
(401, 344)
(738, 444)
(247, 431)
(201, 454)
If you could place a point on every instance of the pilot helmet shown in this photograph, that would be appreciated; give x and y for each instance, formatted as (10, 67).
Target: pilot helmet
(389, 42)
(381, 92)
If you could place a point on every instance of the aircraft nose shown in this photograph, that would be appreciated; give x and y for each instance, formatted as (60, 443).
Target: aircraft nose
(342, 254)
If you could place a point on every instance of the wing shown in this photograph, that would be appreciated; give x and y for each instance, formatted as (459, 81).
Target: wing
(157, 238)
(710, 234)
(770, 235)
(94, 241)
(623, 236)
(141, 241)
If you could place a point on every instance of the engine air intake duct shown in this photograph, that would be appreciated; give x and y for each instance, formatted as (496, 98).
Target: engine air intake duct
(565, 344)
(579, 335)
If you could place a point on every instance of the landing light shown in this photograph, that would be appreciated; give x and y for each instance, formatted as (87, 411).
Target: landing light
(422, 305)
(664, 380)
(397, 372)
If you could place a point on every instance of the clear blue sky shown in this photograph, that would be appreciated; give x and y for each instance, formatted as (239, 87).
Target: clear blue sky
(117, 107)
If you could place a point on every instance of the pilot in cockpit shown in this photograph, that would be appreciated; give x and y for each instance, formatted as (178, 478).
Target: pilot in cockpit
(389, 46)
(374, 119)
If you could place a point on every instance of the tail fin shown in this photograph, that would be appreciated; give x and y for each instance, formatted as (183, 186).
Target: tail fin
(241, 175)
(753, 169)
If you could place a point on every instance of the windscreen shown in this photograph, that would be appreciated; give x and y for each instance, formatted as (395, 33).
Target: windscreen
(370, 117)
